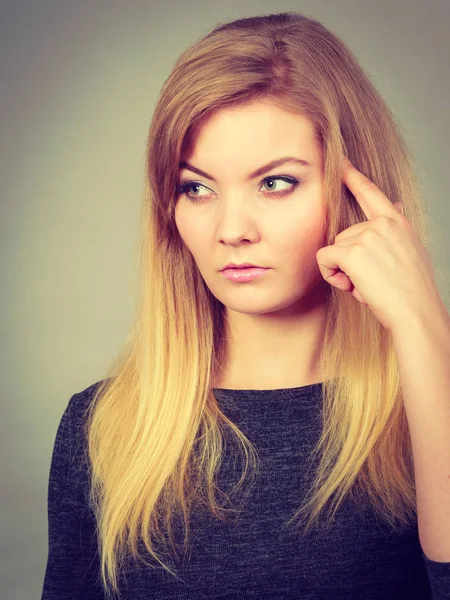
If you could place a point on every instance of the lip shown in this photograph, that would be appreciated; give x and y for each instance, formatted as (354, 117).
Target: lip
(241, 266)
(244, 275)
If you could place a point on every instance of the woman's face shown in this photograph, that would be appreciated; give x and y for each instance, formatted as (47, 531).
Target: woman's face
(234, 216)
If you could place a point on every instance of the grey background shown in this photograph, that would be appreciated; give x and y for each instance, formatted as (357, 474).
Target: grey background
(79, 81)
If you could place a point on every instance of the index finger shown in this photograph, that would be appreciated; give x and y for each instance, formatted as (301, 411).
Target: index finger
(371, 199)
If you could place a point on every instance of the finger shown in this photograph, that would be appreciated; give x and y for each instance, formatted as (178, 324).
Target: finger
(332, 270)
(371, 199)
(399, 207)
(358, 296)
(341, 281)
(333, 273)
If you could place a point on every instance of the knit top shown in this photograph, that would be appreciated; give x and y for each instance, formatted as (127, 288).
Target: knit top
(358, 557)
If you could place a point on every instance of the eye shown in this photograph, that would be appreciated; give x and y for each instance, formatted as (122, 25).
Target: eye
(183, 191)
(293, 183)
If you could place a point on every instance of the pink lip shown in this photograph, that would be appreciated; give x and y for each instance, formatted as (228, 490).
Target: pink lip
(244, 274)
(242, 266)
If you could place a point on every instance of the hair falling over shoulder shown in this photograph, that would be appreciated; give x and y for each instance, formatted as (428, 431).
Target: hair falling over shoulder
(154, 429)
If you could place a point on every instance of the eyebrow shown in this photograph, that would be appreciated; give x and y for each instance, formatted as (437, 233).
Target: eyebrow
(271, 165)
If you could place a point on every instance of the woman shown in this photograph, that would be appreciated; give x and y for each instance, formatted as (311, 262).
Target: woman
(299, 359)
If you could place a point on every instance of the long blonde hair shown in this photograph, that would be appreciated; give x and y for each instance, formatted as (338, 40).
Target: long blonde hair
(154, 427)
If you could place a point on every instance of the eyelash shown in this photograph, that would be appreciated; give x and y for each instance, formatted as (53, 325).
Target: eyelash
(199, 199)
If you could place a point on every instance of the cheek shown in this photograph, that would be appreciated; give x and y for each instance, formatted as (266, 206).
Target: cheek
(300, 241)
(185, 226)
(192, 234)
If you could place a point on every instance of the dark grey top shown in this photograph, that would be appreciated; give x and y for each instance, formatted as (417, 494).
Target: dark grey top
(358, 558)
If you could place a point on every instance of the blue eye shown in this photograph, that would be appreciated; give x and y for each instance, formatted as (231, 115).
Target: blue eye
(183, 189)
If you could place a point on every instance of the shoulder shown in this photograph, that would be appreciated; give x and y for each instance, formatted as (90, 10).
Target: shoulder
(84, 398)
(71, 433)
(80, 402)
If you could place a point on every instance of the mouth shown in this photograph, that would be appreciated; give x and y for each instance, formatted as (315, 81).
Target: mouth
(241, 267)
(244, 274)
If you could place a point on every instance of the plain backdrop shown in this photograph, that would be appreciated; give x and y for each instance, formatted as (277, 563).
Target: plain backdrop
(79, 82)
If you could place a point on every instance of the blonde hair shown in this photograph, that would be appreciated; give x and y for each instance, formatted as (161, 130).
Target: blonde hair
(154, 428)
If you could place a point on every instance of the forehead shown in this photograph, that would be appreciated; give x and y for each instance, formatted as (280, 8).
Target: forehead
(253, 133)
(259, 115)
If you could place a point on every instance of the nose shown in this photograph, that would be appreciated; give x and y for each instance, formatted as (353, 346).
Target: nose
(236, 222)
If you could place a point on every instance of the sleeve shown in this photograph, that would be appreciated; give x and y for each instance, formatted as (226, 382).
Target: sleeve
(72, 570)
(439, 578)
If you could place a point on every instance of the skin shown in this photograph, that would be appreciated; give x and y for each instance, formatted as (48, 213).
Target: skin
(276, 321)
